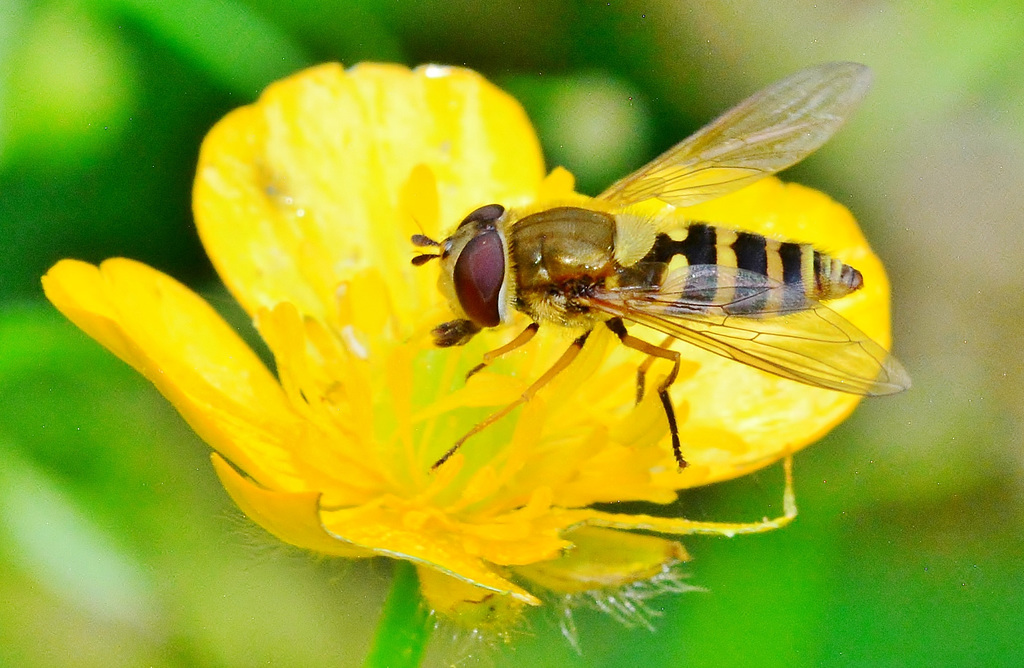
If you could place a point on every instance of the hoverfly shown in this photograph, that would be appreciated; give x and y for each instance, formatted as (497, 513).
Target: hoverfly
(747, 297)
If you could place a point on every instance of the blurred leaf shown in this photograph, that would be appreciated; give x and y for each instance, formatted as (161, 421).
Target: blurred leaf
(75, 412)
(347, 30)
(930, 585)
(594, 124)
(55, 541)
(13, 15)
(71, 84)
(132, 199)
(495, 37)
(230, 41)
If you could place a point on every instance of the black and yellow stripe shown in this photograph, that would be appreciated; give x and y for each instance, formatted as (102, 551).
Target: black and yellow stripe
(752, 253)
(815, 274)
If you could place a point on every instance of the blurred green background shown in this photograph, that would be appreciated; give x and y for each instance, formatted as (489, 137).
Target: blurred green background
(119, 548)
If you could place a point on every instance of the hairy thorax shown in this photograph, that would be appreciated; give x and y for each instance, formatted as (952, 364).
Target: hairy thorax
(559, 255)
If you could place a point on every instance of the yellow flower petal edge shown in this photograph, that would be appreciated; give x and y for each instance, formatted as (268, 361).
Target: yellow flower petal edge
(297, 191)
(684, 527)
(173, 337)
(397, 535)
(605, 559)
(293, 517)
(474, 607)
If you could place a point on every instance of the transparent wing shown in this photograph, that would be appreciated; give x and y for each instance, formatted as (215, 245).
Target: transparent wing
(764, 134)
(762, 323)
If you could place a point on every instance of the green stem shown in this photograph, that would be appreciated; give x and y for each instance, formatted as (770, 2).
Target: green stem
(405, 623)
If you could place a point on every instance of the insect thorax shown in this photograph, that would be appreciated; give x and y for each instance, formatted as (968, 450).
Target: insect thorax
(559, 254)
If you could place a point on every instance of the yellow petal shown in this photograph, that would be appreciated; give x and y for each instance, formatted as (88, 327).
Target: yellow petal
(683, 527)
(418, 199)
(293, 517)
(602, 558)
(557, 185)
(173, 337)
(405, 536)
(678, 526)
(330, 390)
(299, 190)
(467, 605)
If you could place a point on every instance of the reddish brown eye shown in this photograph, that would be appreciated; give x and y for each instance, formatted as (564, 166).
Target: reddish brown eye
(479, 273)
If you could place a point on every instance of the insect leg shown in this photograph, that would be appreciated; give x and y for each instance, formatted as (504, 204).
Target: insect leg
(641, 371)
(564, 361)
(521, 340)
(615, 324)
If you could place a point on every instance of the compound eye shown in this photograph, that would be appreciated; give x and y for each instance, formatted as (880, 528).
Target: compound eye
(478, 275)
(485, 214)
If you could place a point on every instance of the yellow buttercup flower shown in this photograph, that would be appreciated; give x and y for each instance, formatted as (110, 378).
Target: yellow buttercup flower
(305, 202)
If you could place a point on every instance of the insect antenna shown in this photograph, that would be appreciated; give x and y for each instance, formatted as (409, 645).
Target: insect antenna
(420, 260)
(423, 241)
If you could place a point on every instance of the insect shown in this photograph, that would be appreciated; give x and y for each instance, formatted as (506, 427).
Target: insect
(747, 297)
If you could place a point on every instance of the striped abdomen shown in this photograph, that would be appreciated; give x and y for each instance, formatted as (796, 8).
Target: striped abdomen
(815, 274)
